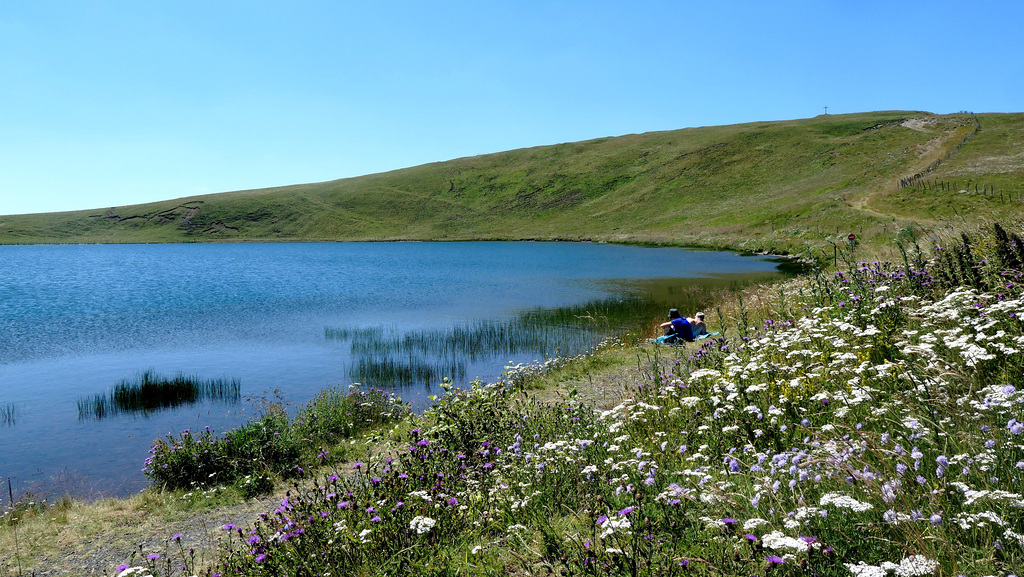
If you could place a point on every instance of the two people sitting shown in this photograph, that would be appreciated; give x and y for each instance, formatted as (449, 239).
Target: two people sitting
(680, 329)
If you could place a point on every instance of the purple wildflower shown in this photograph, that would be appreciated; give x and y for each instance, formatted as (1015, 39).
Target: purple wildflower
(1015, 427)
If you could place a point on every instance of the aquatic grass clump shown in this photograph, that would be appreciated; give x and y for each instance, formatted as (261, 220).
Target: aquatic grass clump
(384, 356)
(385, 370)
(347, 333)
(151, 392)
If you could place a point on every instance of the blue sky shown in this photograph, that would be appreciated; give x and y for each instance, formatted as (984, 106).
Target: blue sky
(107, 103)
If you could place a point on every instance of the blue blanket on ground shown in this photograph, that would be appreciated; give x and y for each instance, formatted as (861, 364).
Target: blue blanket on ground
(675, 340)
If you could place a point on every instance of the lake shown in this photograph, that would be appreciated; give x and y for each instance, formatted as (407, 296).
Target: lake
(77, 320)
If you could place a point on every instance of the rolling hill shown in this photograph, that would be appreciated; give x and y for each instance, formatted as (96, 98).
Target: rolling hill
(778, 186)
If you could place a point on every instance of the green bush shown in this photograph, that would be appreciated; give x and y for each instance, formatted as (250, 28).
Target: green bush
(272, 445)
(336, 414)
(264, 445)
(179, 462)
(254, 485)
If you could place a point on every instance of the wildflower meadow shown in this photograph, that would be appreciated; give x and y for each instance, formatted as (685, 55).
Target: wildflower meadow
(867, 420)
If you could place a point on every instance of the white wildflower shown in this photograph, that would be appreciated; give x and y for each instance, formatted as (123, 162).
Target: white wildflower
(862, 569)
(779, 541)
(616, 525)
(754, 523)
(915, 565)
(843, 501)
(422, 524)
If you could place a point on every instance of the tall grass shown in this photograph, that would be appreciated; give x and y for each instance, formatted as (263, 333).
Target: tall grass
(151, 392)
(385, 370)
(388, 357)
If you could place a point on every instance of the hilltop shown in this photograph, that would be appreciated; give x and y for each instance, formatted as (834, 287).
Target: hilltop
(781, 186)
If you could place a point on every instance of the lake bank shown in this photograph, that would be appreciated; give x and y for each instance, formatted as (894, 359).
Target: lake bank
(294, 318)
(736, 457)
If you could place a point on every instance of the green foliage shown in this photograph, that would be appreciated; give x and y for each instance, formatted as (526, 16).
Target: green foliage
(272, 445)
(335, 414)
(267, 445)
(465, 418)
(254, 485)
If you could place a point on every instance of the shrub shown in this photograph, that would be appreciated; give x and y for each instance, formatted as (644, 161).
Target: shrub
(273, 444)
(336, 414)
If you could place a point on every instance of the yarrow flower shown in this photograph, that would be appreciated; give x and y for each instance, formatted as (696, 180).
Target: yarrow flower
(840, 500)
(422, 524)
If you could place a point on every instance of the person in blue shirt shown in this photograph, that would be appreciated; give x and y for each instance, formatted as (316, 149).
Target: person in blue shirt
(676, 329)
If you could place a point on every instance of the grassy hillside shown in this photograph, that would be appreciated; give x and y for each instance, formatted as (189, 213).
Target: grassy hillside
(763, 186)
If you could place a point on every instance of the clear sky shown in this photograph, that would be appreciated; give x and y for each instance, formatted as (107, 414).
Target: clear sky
(107, 103)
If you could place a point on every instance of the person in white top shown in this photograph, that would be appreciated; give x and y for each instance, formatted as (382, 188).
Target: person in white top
(697, 325)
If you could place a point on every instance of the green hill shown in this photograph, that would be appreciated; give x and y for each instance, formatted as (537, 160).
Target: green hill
(777, 186)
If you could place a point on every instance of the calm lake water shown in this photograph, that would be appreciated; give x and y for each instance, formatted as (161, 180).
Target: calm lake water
(77, 320)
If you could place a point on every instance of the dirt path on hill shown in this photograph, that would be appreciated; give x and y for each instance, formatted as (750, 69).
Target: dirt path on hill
(929, 154)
